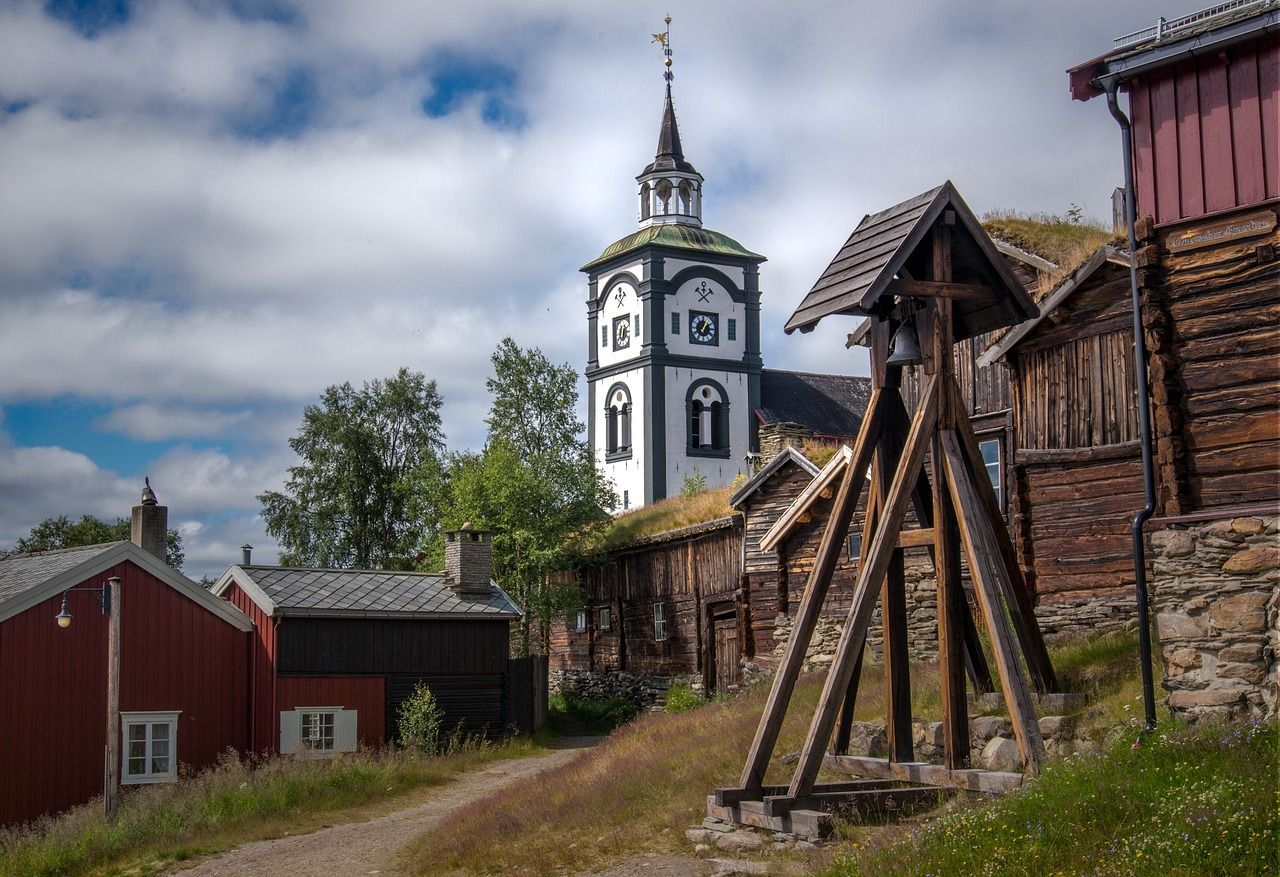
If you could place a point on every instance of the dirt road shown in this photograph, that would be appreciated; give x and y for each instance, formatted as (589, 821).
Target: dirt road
(372, 847)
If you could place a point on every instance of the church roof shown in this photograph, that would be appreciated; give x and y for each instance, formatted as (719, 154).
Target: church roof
(831, 405)
(670, 155)
(680, 237)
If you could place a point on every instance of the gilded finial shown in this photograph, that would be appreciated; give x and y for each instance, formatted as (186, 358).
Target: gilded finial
(664, 39)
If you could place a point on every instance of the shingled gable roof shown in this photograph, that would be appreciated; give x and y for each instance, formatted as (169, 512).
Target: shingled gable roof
(362, 593)
(822, 481)
(889, 242)
(830, 405)
(27, 580)
(788, 455)
(1067, 287)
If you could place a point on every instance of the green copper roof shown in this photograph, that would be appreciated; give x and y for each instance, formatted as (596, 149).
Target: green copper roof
(681, 237)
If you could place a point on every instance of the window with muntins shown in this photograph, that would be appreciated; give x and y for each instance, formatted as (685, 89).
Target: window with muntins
(150, 747)
(317, 731)
(675, 322)
(604, 620)
(580, 621)
(731, 331)
(604, 336)
(708, 418)
(991, 459)
(659, 622)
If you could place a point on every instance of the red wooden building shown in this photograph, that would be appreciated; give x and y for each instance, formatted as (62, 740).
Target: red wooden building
(184, 663)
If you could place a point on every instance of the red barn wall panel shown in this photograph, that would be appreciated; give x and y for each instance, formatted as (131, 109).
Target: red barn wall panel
(174, 655)
(1205, 134)
(365, 694)
(262, 694)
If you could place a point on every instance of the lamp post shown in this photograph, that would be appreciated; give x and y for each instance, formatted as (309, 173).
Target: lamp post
(109, 597)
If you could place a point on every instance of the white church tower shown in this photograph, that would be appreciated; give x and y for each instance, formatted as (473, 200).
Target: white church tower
(673, 338)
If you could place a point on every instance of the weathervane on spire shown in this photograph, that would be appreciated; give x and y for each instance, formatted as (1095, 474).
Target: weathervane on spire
(665, 39)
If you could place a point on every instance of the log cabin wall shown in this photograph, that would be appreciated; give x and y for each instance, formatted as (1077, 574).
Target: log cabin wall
(684, 571)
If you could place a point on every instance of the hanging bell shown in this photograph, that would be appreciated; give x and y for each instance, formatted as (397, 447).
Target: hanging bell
(905, 347)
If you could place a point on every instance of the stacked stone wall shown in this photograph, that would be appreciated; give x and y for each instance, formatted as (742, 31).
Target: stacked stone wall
(1216, 601)
(644, 691)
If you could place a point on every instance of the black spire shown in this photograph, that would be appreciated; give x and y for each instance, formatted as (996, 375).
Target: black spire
(670, 155)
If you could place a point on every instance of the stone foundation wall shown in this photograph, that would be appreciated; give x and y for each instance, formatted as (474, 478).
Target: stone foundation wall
(644, 691)
(1217, 605)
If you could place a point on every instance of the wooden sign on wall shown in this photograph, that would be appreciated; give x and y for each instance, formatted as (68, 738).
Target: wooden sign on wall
(1221, 232)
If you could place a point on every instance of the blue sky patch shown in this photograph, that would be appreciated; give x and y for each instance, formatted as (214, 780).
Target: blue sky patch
(459, 82)
(290, 110)
(89, 18)
(13, 107)
(68, 423)
(274, 11)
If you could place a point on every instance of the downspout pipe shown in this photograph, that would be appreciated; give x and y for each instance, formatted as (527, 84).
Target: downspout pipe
(1111, 86)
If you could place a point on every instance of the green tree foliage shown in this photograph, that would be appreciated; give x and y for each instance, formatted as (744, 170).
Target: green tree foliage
(694, 483)
(419, 719)
(62, 532)
(366, 493)
(535, 485)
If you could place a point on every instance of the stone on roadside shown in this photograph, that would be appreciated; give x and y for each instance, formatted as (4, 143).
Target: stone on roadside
(699, 835)
(701, 850)
(984, 727)
(1002, 754)
(739, 841)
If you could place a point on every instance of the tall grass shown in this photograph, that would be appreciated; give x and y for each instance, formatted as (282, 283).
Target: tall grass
(1189, 802)
(668, 514)
(231, 803)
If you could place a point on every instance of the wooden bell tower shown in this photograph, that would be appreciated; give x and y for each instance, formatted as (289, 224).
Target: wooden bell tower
(924, 265)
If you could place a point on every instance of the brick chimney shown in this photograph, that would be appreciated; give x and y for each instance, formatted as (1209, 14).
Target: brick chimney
(150, 523)
(468, 561)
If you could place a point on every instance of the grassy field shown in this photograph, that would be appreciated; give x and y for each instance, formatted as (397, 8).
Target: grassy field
(1187, 803)
(639, 790)
(231, 804)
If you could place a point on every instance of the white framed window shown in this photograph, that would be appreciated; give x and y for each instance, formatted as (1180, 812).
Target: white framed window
(659, 622)
(580, 623)
(992, 460)
(150, 750)
(318, 731)
(604, 618)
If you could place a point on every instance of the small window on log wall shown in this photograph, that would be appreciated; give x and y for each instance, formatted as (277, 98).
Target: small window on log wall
(993, 459)
(580, 622)
(659, 622)
(603, 619)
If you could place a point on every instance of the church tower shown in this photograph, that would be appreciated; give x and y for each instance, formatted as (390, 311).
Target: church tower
(673, 337)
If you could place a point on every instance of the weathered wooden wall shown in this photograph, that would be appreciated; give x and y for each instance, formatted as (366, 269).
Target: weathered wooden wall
(684, 571)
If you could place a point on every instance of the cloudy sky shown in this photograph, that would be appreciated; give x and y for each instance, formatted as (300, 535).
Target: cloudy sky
(210, 210)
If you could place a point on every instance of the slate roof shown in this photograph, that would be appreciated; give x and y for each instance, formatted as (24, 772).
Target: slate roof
(827, 404)
(21, 572)
(889, 242)
(370, 593)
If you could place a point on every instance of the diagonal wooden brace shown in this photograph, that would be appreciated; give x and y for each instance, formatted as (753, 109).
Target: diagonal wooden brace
(864, 592)
(829, 550)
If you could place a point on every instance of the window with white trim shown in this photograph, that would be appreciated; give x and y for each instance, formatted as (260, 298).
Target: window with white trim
(580, 623)
(150, 751)
(659, 622)
(318, 731)
(991, 459)
(604, 618)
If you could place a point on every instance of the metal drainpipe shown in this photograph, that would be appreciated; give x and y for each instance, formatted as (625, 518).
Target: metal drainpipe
(1144, 416)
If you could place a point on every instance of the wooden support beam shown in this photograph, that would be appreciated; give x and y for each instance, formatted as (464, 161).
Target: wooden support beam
(813, 824)
(941, 289)
(829, 550)
(952, 610)
(859, 617)
(1029, 634)
(865, 802)
(990, 781)
(977, 534)
(733, 796)
(893, 601)
(921, 537)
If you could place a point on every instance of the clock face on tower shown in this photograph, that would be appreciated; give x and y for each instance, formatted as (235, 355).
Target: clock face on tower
(703, 328)
(622, 332)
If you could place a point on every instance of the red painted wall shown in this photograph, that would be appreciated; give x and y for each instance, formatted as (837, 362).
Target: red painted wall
(266, 721)
(174, 655)
(365, 694)
(1206, 135)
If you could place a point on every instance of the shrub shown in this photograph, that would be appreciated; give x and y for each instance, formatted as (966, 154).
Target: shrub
(419, 720)
(694, 483)
(681, 698)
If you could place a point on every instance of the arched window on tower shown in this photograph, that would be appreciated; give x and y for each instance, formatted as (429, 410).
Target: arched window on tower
(617, 414)
(645, 206)
(664, 196)
(686, 198)
(707, 407)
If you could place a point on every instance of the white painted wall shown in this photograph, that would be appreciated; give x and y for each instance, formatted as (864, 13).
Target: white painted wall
(719, 302)
(626, 475)
(630, 308)
(718, 471)
(672, 267)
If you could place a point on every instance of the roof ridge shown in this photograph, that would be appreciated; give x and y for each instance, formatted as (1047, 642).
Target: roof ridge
(390, 572)
(48, 551)
(789, 371)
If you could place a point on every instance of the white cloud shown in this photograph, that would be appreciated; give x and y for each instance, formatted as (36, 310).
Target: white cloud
(151, 422)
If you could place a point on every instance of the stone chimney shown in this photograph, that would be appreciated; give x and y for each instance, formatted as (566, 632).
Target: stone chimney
(468, 561)
(150, 523)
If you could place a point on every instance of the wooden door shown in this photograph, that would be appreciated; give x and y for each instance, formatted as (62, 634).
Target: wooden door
(726, 653)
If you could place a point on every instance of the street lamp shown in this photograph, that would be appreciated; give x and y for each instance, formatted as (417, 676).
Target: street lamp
(109, 598)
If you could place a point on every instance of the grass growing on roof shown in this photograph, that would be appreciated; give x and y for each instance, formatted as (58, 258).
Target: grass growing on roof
(232, 803)
(1059, 239)
(1189, 802)
(667, 514)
